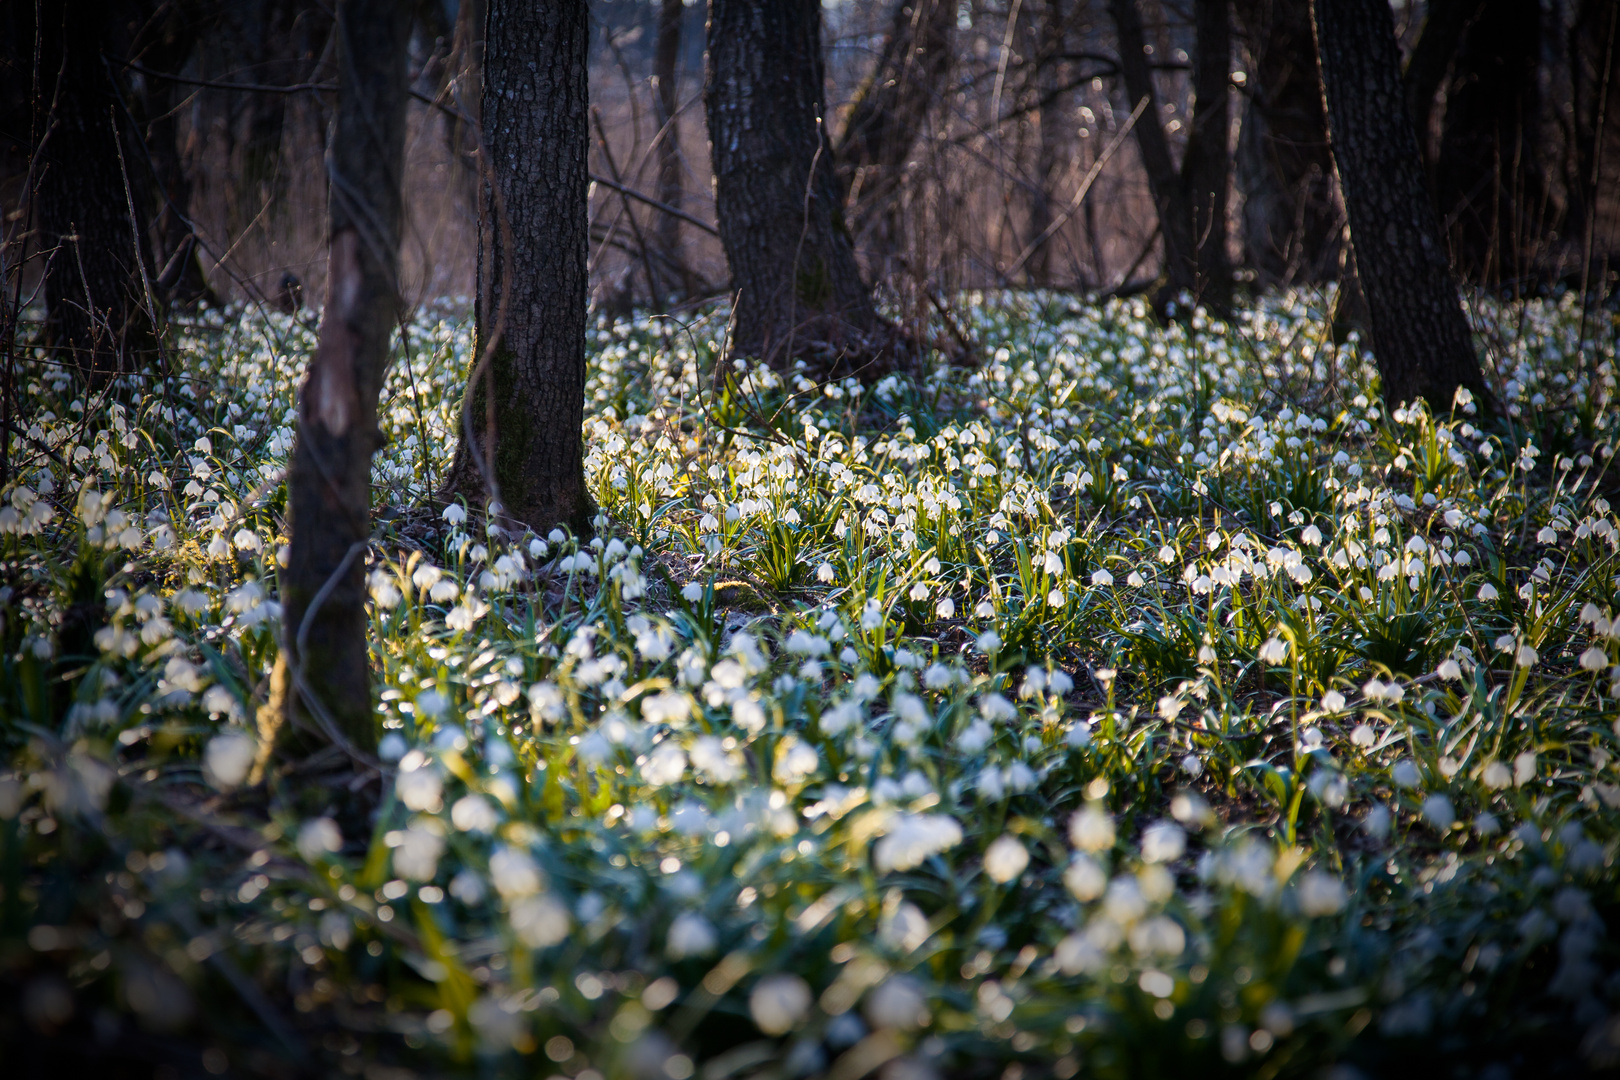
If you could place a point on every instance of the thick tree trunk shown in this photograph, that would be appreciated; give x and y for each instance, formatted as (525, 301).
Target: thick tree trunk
(1489, 187)
(798, 290)
(671, 189)
(1191, 201)
(526, 401)
(323, 678)
(1292, 222)
(96, 302)
(889, 112)
(1420, 336)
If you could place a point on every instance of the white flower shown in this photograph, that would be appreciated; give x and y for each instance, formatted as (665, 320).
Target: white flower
(779, 1003)
(1163, 842)
(514, 873)
(1158, 936)
(913, 838)
(897, 1003)
(1438, 811)
(1320, 894)
(945, 609)
(796, 760)
(416, 858)
(712, 762)
(474, 813)
(1333, 702)
(420, 788)
(455, 514)
(989, 642)
(1526, 656)
(1274, 651)
(540, 921)
(664, 766)
(690, 934)
(825, 573)
(1405, 774)
(1496, 776)
(1005, 859)
(1101, 578)
(1594, 659)
(228, 758)
(1091, 829)
(1487, 592)
(1085, 878)
(692, 592)
(1449, 670)
(318, 838)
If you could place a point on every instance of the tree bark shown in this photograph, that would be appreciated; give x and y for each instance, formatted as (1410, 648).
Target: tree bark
(1292, 222)
(97, 308)
(1489, 186)
(526, 400)
(889, 112)
(798, 292)
(165, 44)
(1420, 336)
(1206, 169)
(1191, 200)
(1044, 99)
(323, 677)
(671, 189)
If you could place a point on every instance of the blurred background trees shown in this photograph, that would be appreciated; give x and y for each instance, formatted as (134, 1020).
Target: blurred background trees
(958, 136)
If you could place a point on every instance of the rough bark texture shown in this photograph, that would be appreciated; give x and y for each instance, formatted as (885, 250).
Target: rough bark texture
(671, 190)
(889, 112)
(1191, 201)
(323, 679)
(1489, 187)
(798, 291)
(527, 400)
(1292, 221)
(95, 297)
(1420, 337)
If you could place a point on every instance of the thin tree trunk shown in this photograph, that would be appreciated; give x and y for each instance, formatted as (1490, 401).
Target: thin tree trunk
(1045, 101)
(1206, 170)
(322, 681)
(1420, 336)
(1292, 222)
(1426, 69)
(1191, 201)
(671, 190)
(96, 302)
(890, 110)
(165, 44)
(798, 290)
(526, 401)
(1488, 180)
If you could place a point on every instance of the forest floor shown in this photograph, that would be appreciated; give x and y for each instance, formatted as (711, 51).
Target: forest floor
(1143, 699)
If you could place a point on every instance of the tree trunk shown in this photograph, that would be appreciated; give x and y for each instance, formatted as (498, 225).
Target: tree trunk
(1292, 222)
(1488, 181)
(526, 402)
(1206, 169)
(1420, 336)
(890, 110)
(97, 308)
(165, 44)
(323, 678)
(1191, 201)
(1164, 182)
(1426, 69)
(1044, 96)
(671, 189)
(798, 290)
(1595, 73)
